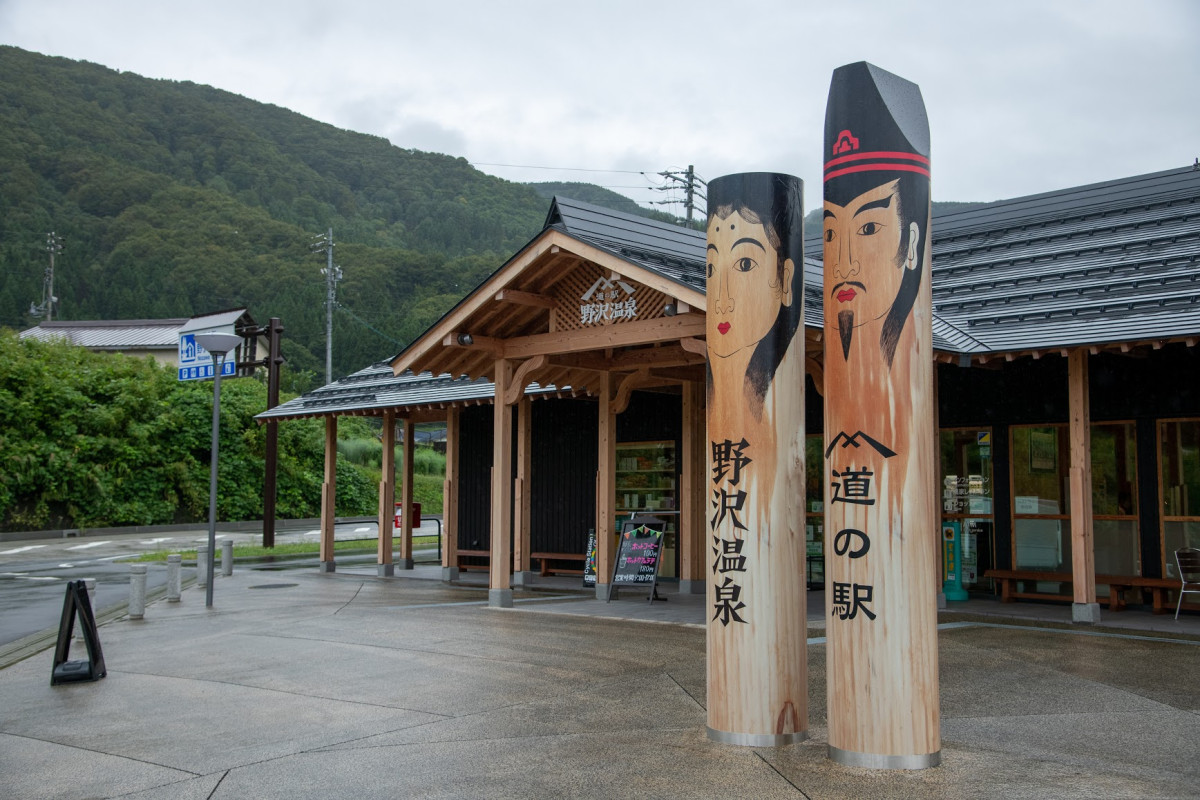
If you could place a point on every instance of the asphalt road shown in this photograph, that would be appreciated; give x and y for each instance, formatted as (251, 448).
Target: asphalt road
(34, 574)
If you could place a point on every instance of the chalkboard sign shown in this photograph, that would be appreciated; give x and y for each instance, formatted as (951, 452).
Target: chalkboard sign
(637, 558)
(589, 559)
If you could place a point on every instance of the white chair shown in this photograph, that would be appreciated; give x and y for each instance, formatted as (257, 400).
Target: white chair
(1187, 559)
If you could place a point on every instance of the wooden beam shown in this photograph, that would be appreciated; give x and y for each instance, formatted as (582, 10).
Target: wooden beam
(694, 345)
(486, 344)
(387, 489)
(500, 561)
(607, 336)
(625, 390)
(525, 299)
(1083, 567)
(606, 489)
(521, 378)
(522, 506)
(329, 493)
(406, 498)
(450, 493)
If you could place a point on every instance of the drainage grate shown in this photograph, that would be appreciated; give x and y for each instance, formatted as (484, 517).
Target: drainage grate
(274, 586)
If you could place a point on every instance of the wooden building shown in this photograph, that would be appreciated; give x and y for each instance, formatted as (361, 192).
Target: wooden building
(572, 386)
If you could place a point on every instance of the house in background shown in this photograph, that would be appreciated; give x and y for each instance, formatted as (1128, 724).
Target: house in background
(157, 338)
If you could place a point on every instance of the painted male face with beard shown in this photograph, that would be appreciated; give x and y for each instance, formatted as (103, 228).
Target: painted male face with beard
(869, 252)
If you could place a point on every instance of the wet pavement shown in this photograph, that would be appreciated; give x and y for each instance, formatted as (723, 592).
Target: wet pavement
(302, 684)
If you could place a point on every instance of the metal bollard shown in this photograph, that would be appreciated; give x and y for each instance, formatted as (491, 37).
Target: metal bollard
(202, 565)
(90, 583)
(174, 580)
(137, 591)
(227, 557)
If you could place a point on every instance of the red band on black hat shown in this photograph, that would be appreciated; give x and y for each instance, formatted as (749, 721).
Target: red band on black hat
(887, 161)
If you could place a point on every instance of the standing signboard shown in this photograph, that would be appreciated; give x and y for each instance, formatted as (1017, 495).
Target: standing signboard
(637, 559)
(589, 560)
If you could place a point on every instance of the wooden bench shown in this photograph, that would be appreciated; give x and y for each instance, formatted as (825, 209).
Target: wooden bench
(1009, 580)
(463, 554)
(548, 567)
(1160, 590)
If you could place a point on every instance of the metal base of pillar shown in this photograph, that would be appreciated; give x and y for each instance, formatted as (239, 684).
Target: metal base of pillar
(523, 578)
(757, 739)
(691, 587)
(500, 598)
(449, 573)
(941, 601)
(1085, 613)
(385, 570)
(602, 592)
(848, 758)
(328, 566)
(404, 563)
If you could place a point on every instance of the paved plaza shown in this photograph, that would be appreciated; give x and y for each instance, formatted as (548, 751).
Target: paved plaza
(301, 684)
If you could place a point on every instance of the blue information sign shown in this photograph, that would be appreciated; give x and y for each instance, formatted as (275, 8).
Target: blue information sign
(195, 363)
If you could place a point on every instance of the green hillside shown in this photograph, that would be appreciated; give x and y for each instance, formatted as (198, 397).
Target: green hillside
(176, 199)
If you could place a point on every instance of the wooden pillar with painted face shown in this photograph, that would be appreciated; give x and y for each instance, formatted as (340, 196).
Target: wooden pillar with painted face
(757, 666)
(881, 578)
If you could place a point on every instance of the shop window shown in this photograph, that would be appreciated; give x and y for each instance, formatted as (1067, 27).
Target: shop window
(1179, 480)
(1114, 499)
(967, 496)
(1041, 501)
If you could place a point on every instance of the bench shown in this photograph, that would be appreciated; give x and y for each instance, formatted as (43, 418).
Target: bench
(1010, 579)
(463, 554)
(1160, 590)
(548, 568)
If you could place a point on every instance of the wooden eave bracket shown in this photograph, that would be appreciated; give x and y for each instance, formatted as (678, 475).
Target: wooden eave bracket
(516, 388)
(524, 298)
(625, 390)
(694, 345)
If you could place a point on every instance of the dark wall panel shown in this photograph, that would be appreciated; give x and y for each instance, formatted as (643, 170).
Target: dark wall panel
(474, 477)
(564, 452)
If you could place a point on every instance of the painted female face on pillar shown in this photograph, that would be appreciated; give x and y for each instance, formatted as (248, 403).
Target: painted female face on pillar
(747, 286)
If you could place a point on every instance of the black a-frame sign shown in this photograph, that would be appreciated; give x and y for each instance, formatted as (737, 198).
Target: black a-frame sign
(93, 669)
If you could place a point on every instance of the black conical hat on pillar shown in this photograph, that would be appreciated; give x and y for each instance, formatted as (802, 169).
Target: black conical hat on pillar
(875, 129)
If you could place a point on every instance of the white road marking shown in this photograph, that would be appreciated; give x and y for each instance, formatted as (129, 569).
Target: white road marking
(156, 541)
(312, 533)
(87, 546)
(65, 566)
(20, 549)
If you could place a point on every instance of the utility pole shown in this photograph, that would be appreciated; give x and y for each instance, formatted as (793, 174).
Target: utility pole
(332, 274)
(53, 246)
(691, 184)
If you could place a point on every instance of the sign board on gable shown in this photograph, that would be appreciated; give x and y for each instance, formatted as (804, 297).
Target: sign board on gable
(195, 363)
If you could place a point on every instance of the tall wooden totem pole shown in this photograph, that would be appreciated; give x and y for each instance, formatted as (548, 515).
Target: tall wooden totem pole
(757, 671)
(881, 507)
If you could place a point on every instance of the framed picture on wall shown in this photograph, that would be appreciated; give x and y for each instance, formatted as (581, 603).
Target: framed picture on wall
(1043, 450)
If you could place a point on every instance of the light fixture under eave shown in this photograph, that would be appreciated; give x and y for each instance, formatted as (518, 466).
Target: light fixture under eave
(465, 339)
(670, 309)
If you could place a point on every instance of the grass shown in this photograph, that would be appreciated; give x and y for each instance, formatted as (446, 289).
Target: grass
(288, 549)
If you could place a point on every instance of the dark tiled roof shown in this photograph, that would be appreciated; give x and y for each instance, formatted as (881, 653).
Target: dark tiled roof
(375, 388)
(1117, 261)
(672, 251)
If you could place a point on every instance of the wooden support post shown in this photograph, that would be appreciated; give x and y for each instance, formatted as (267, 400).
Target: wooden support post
(329, 495)
(405, 560)
(606, 486)
(500, 560)
(882, 517)
(694, 460)
(450, 498)
(387, 494)
(756, 595)
(1083, 558)
(522, 575)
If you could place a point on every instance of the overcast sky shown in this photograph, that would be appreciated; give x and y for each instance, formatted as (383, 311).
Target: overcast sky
(1022, 97)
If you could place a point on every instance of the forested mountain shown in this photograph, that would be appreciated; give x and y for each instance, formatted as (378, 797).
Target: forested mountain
(176, 199)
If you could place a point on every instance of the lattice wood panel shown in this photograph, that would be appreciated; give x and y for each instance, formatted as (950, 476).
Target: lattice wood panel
(571, 306)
